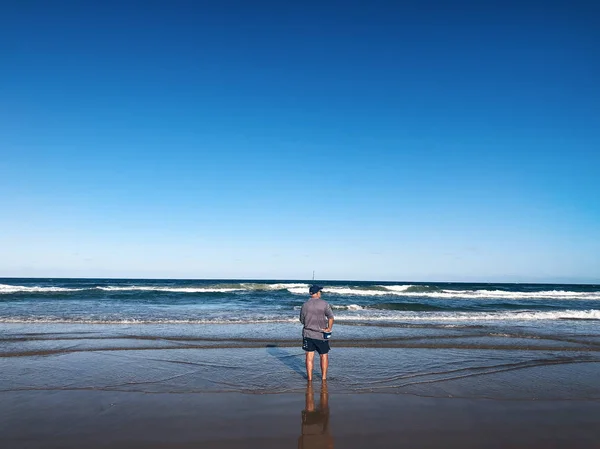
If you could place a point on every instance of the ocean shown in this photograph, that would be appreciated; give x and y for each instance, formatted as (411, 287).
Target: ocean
(122, 301)
(244, 336)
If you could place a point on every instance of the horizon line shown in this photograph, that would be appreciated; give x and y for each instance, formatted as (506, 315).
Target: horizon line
(308, 281)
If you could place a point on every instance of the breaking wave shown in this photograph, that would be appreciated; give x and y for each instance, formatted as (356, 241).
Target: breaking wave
(352, 307)
(436, 292)
(7, 289)
(82, 320)
(171, 289)
(297, 288)
(407, 306)
(217, 288)
(477, 316)
(347, 313)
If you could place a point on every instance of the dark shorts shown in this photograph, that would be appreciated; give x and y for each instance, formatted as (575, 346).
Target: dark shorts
(310, 345)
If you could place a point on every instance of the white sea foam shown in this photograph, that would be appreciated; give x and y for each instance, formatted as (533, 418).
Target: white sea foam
(348, 291)
(4, 288)
(351, 307)
(349, 314)
(501, 294)
(80, 320)
(368, 315)
(213, 289)
(397, 288)
(354, 307)
(455, 294)
(354, 292)
(403, 290)
(302, 289)
(287, 286)
(172, 289)
(272, 287)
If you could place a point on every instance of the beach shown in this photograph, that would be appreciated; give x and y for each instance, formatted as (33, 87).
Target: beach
(170, 370)
(62, 389)
(229, 420)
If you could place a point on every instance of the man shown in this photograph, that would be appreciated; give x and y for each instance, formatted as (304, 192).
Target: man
(317, 318)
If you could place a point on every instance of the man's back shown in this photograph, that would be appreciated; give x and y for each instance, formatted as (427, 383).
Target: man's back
(314, 315)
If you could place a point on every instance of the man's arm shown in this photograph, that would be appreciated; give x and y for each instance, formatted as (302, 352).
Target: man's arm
(329, 315)
(302, 315)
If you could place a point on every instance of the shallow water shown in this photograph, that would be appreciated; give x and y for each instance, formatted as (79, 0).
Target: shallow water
(436, 364)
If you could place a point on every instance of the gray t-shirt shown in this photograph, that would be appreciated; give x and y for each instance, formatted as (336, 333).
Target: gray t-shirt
(314, 315)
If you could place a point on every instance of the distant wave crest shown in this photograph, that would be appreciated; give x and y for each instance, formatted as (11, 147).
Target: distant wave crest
(217, 288)
(352, 312)
(171, 289)
(475, 316)
(297, 288)
(436, 292)
(7, 289)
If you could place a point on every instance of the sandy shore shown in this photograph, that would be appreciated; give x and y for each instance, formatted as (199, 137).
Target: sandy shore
(97, 419)
(97, 389)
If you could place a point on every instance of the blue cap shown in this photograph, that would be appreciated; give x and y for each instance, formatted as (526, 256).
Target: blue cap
(314, 289)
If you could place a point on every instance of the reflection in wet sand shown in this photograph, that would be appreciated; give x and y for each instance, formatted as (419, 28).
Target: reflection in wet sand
(315, 420)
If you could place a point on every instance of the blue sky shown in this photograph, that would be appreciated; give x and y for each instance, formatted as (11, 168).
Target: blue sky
(364, 140)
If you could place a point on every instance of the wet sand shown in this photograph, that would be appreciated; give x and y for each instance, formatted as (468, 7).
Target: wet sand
(98, 419)
(64, 389)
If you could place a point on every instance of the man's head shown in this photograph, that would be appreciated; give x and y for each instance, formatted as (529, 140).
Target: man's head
(315, 290)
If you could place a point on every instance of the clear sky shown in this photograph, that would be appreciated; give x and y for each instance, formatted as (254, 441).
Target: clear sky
(365, 140)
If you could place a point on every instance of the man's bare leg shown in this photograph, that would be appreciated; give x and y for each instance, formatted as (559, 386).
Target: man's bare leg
(324, 365)
(310, 356)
